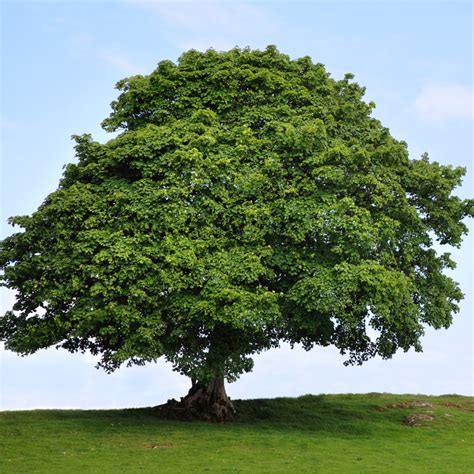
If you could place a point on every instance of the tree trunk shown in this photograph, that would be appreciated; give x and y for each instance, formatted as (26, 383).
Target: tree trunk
(208, 402)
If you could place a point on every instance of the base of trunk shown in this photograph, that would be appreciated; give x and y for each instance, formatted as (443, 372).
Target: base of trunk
(208, 402)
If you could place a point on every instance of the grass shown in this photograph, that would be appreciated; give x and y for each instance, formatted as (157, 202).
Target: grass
(309, 434)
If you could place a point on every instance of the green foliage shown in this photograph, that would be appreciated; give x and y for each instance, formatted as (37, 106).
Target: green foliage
(250, 199)
(309, 434)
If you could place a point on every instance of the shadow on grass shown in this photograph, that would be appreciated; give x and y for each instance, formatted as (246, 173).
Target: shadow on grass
(316, 413)
(340, 416)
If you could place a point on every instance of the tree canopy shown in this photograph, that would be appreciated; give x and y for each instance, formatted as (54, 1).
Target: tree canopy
(248, 199)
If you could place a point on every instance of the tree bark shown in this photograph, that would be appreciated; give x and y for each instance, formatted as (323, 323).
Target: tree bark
(208, 402)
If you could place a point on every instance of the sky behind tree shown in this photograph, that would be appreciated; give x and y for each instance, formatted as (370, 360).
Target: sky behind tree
(60, 61)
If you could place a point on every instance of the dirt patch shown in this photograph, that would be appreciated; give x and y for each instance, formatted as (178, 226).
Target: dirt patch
(417, 419)
(451, 405)
(464, 405)
(410, 404)
(157, 446)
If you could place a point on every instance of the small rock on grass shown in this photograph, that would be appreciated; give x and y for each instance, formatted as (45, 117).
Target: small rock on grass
(417, 419)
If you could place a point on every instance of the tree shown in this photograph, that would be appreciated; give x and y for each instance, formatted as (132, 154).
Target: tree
(249, 199)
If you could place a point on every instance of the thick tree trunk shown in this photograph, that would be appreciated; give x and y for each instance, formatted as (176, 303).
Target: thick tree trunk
(207, 402)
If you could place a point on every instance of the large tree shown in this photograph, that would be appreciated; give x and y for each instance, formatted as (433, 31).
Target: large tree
(249, 199)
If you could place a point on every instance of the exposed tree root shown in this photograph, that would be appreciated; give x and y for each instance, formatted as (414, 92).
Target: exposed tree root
(208, 402)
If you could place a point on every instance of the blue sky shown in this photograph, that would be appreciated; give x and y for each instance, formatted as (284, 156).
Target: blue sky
(60, 61)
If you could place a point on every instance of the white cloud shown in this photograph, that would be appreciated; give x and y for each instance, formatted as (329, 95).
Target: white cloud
(443, 102)
(7, 300)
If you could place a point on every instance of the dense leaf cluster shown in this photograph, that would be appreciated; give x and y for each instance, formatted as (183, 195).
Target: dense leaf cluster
(250, 199)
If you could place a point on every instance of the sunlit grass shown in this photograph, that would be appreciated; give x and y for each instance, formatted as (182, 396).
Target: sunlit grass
(325, 433)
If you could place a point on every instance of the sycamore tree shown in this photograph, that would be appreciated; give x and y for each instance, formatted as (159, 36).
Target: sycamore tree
(248, 199)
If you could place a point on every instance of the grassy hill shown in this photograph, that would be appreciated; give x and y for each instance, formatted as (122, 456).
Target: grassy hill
(309, 434)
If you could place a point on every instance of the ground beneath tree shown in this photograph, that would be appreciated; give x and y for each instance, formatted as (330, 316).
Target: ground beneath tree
(324, 433)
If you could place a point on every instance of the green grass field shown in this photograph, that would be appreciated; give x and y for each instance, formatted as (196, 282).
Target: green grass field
(309, 434)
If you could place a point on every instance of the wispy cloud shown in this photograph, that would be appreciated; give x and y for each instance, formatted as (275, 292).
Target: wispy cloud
(119, 60)
(82, 39)
(8, 124)
(226, 17)
(86, 43)
(64, 20)
(203, 44)
(438, 102)
(83, 43)
(218, 24)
